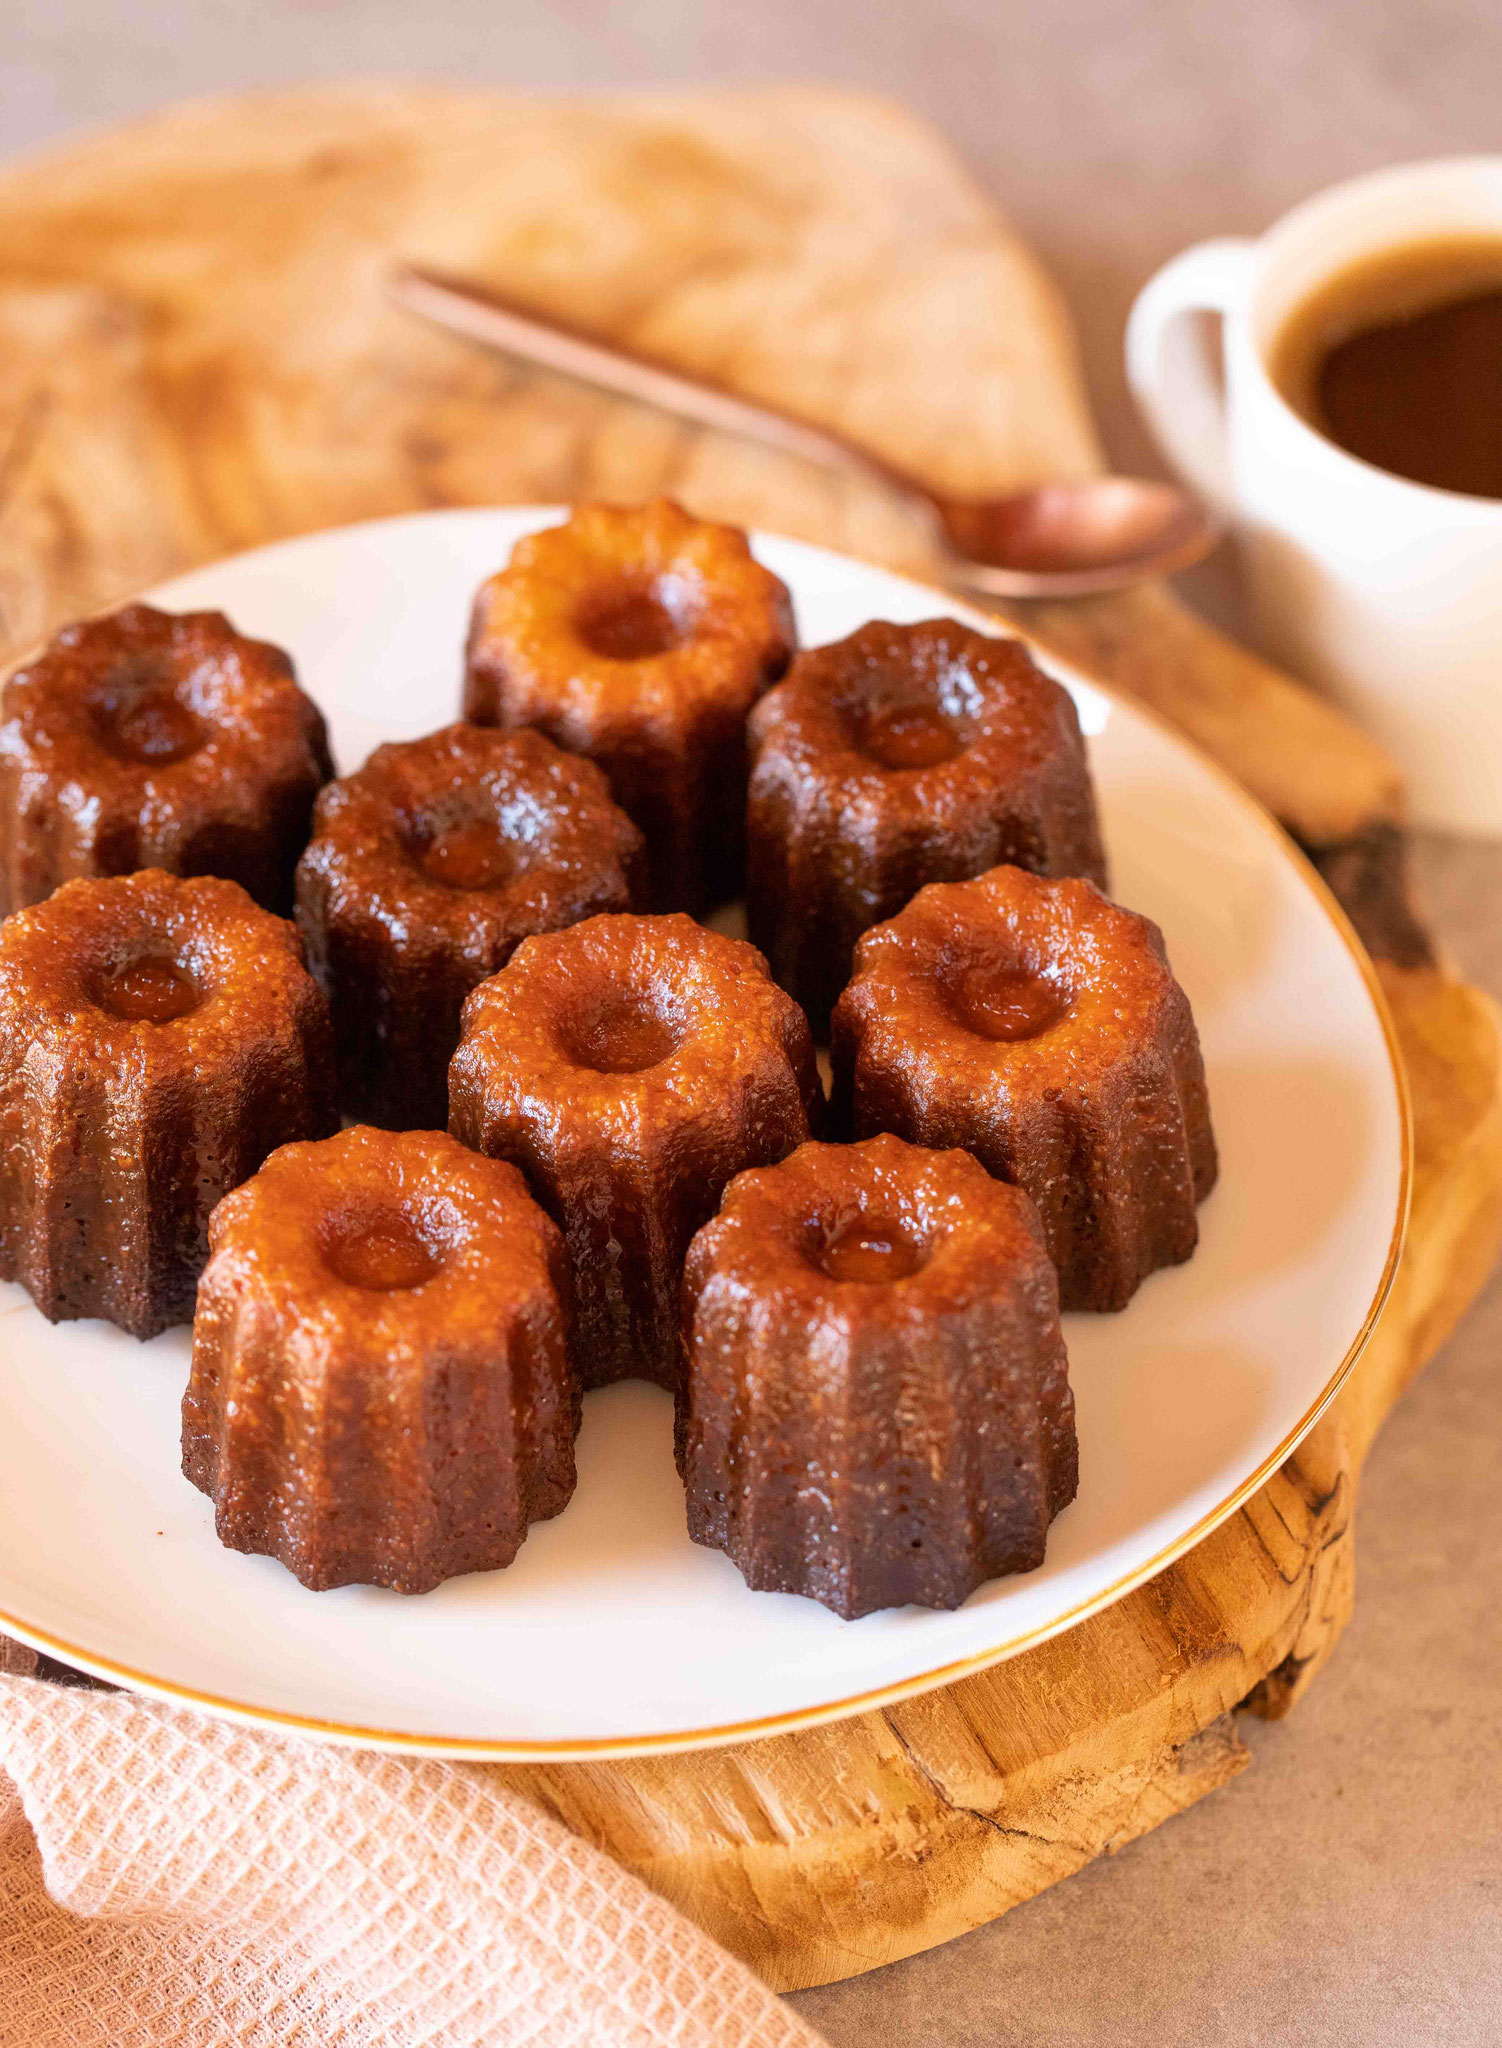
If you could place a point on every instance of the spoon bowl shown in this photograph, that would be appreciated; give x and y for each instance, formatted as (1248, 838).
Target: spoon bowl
(1069, 539)
(1065, 538)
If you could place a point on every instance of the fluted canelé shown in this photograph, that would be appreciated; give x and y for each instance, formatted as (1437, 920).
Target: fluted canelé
(427, 868)
(1039, 1026)
(900, 756)
(640, 637)
(158, 1038)
(151, 739)
(876, 1408)
(631, 1066)
(380, 1391)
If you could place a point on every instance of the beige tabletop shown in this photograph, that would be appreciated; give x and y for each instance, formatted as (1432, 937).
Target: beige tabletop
(1347, 1889)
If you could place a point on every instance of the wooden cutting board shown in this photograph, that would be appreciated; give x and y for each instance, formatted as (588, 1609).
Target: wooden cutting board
(196, 356)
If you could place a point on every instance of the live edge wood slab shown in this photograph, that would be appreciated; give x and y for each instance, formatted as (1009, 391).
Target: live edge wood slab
(196, 356)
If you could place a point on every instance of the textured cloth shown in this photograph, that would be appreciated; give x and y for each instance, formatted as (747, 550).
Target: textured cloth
(172, 1881)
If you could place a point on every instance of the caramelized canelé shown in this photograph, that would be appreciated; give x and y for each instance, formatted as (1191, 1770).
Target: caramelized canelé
(876, 1406)
(900, 756)
(1040, 1027)
(158, 1038)
(631, 1066)
(427, 868)
(380, 1390)
(640, 637)
(156, 739)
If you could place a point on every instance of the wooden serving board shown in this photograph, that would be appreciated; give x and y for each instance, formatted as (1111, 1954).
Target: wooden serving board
(196, 356)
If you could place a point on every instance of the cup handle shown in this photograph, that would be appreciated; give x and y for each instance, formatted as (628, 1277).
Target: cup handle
(1168, 368)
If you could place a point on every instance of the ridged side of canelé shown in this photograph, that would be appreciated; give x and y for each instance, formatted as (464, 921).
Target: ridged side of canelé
(108, 1176)
(117, 1141)
(238, 805)
(359, 1469)
(874, 1445)
(397, 1445)
(397, 950)
(631, 1164)
(838, 840)
(1104, 1121)
(396, 997)
(668, 727)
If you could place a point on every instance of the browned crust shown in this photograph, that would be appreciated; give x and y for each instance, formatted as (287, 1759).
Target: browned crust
(117, 1138)
(1103, 1117)
(393, 1438)
(397, 951)
(837, 841)
(874, 1444)
(668, 729)
(237, 806)
(632, 1163)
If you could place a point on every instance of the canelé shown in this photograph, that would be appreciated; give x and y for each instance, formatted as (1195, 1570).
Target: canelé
(1039, 1026)
(156, 739)
(640, 637)
(380, 1390)
(876, 1407)
(631, 1066)
(426, 869)
(158, 1038)
(900, 756)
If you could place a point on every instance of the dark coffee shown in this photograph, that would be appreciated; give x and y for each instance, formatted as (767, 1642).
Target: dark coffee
(1398, 359)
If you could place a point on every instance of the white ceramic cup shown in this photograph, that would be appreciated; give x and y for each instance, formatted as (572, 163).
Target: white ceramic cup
(1385, 593)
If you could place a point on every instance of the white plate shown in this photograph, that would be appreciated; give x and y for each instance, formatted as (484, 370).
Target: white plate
(612, 1633)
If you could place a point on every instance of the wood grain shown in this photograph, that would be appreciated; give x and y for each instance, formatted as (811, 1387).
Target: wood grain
(196, 356)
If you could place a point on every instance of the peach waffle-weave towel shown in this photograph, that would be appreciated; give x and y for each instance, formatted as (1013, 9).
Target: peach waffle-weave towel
(171, 1881)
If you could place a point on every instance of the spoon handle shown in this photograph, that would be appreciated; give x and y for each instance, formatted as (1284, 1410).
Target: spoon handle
(488, 317)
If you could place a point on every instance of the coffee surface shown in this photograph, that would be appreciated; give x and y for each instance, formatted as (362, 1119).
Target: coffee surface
(1398, 359)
